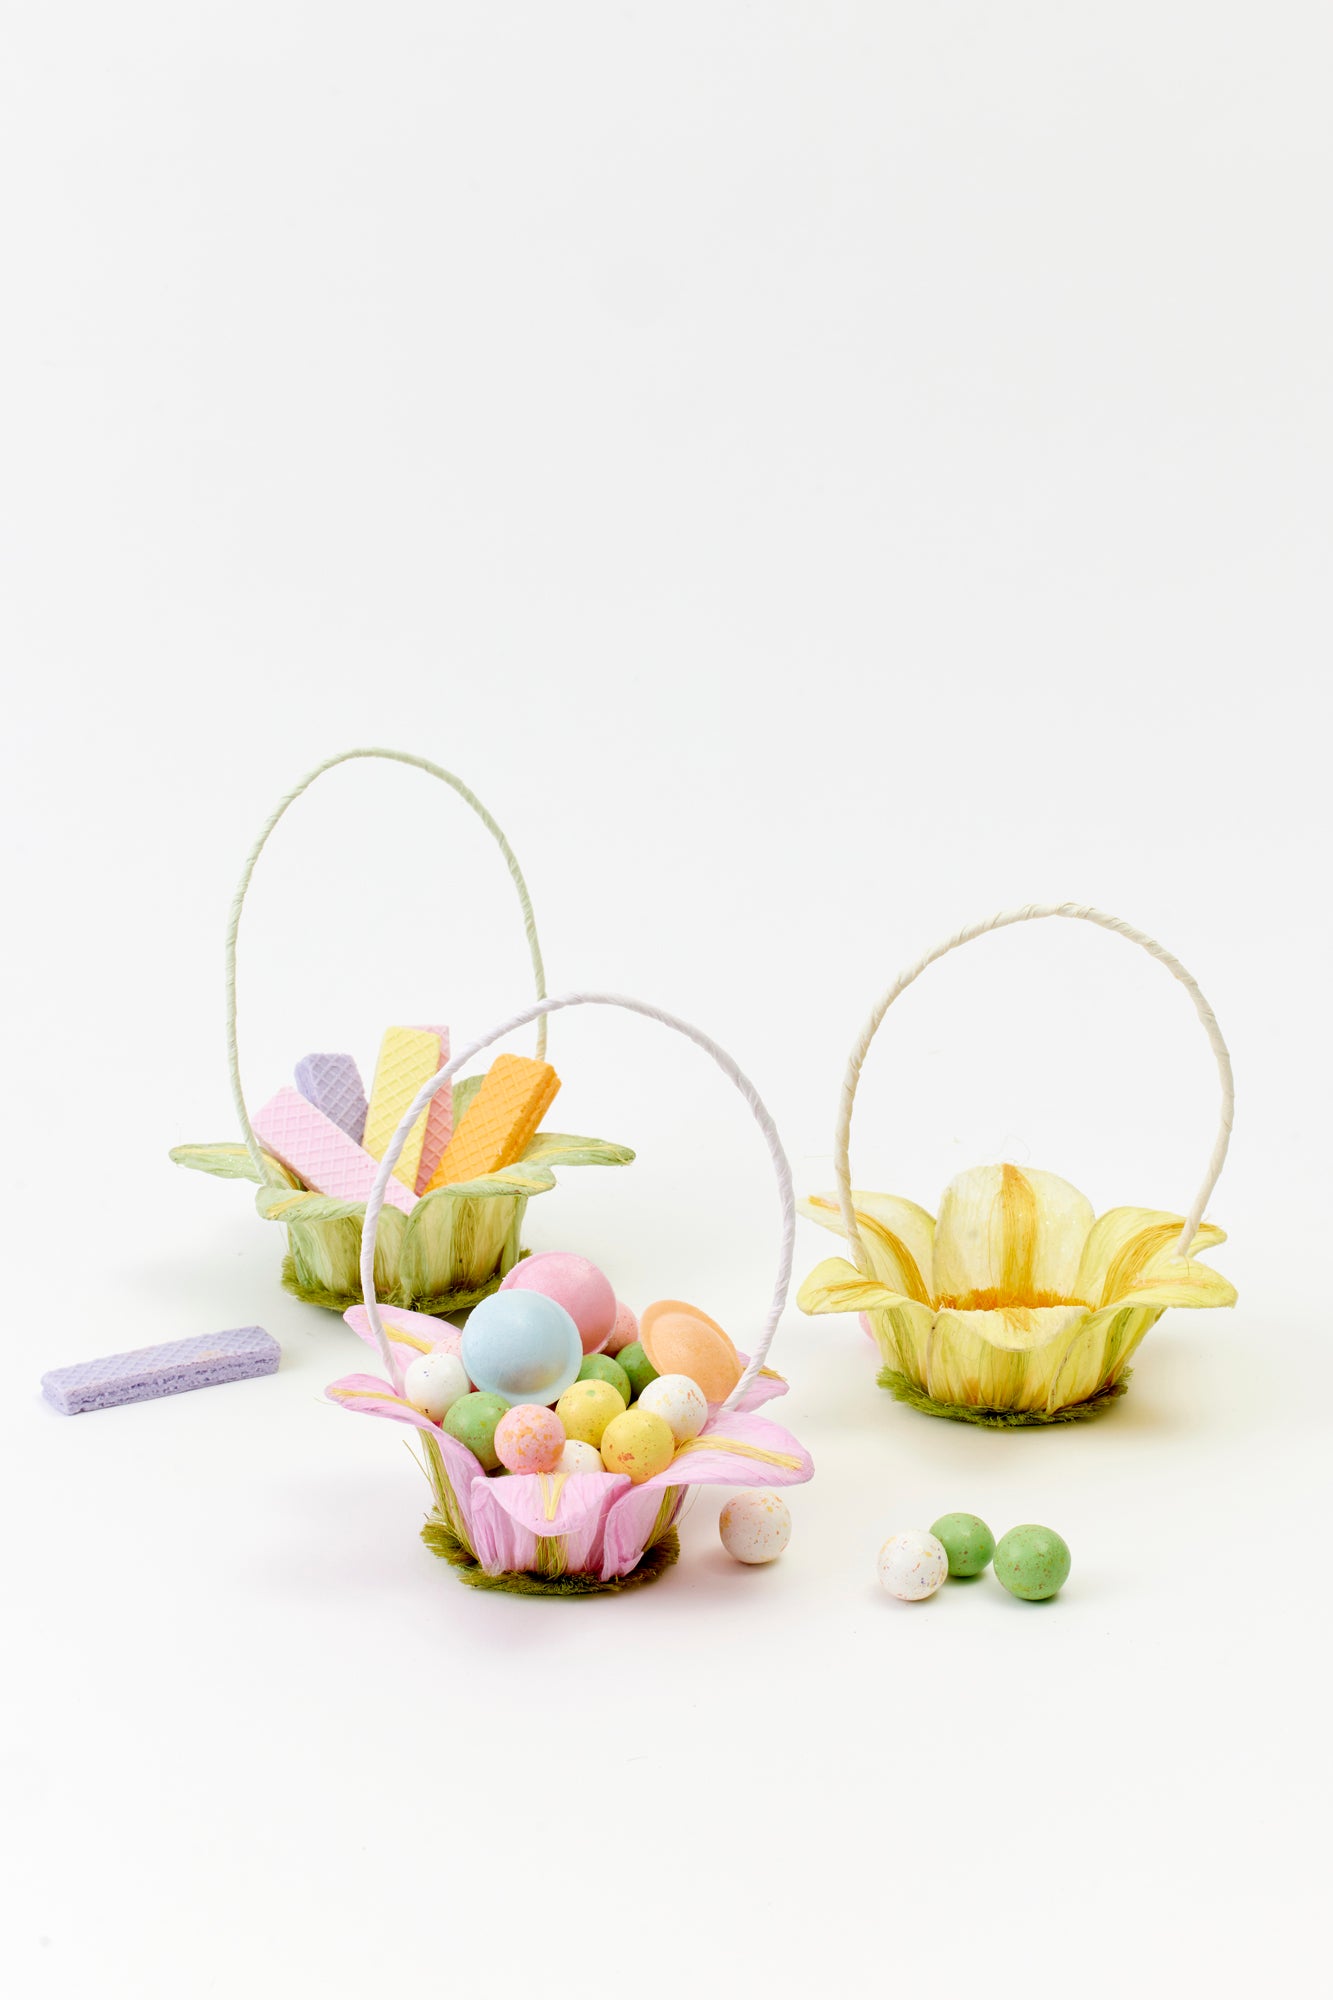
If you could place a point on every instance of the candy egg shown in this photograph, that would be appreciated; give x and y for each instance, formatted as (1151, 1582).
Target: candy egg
(587, 1408)
(638, 1443)
(601, 1368)
(968, 1542)
(574, 1283)
(529, 1438)
(637, 1366)
(625, 1330)
(434, 1382)
(912, 1565)
(472, 1420)
(580, 1457)
(680, 1340)
(1032, 1562)
(680, 1403)
(755, 1527)
(521, 1346)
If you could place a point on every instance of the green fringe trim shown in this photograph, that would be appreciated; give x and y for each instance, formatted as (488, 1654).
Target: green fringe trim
(907, 1391)
(440, 1538)
(440, 1303)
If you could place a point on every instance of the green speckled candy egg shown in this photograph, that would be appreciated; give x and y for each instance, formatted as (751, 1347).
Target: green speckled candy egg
(968, 1542)
(637, 1366)
(601, 1368)
(1031, 1561)
(472, 1420)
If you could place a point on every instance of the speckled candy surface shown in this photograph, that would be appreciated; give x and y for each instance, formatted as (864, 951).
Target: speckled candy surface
(624, 1331)
(574, 1283)
(472, 1420)
(529, 1438)
(638, 1444)
(755, 1527)
(522, 1347)
(586, 1408)
(680, 1340)
(580, 1457)
(968, 1542)
(912, 1565)
(601, 1368)
(680, 1403)
(1032, 1562)
(637, 1366)
(434, 1382)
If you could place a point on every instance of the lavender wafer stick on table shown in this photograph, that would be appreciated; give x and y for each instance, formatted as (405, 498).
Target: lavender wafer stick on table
(147, 1372)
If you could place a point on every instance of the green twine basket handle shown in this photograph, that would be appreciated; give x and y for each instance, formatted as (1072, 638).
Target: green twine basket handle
(238, 903)
(1085, 913)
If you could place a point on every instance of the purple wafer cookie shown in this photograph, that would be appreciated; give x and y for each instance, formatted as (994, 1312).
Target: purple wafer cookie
(168, 1370)
(333, 1085)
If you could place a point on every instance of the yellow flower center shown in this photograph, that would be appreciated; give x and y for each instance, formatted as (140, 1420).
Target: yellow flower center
(998, 1301)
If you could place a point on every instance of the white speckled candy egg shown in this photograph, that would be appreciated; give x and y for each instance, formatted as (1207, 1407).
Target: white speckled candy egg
(580, 1457)
(755, 1527)
(433, 1384)
(913, 1565)
(679, 1402)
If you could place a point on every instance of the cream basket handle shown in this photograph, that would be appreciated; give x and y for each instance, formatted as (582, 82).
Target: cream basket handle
(238, 903)
(1082, 911)
(535, 1012)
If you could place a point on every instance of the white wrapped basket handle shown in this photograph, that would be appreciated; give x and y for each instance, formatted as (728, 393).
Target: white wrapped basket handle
(1085, 914)
(537, 1011)
(469, 798)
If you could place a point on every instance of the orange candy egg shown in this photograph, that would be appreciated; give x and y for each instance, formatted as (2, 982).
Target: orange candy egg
(680, 1340)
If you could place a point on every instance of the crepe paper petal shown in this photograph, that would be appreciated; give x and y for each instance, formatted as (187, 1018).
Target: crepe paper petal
(1001, 1359)
(411, 1333)
(638, 1519)
(499, 1542)
(566, 1149)
(465, 1089)
(231, 1161)
(766, 1386)
(835, 1286)
(1127, 1243)
(518, 1179)
(570, 1508)
(899, 1237)
(1097, 1355)
(369, 1395)
(1180, 1285)
(1014, 1233)
(291, 1204)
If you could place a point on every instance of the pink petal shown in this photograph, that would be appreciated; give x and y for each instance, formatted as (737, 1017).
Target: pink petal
(499, 1542)
(629, 1524)
(708, 1462)
(422, 1331)
(368, 1395)
(574, 1508)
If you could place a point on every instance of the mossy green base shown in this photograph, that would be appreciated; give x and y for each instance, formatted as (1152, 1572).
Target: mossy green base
(907, 1391)
(442, 1304)
(442, 1541)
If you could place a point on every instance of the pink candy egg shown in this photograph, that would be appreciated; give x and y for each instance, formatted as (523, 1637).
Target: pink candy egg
(573, 1283)
(529, 1438)
(625, 1331)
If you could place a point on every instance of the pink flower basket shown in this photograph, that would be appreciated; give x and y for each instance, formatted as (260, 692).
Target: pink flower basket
(566, 1535)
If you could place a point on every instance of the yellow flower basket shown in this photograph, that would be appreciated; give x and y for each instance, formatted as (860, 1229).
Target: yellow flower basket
(458, 1242)
(1016, 1305)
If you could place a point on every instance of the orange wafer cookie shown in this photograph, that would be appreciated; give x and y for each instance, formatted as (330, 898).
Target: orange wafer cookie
(514, 1097)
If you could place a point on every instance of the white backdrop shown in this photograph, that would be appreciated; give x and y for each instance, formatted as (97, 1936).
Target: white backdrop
(821, 474)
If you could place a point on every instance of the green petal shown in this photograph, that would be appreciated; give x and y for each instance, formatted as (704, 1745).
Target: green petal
(465, 1089)
(565, 1149)
(522, 1178)
(232, 1162)
(289, 1204)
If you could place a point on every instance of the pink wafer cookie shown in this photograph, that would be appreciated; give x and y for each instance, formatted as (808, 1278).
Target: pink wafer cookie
(312, 1146)
(439, 1121)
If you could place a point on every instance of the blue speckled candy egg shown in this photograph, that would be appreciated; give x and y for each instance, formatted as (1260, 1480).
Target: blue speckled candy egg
(521, 1346)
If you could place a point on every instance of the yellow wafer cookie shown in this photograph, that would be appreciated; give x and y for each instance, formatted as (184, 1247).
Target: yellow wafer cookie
(408, 1058)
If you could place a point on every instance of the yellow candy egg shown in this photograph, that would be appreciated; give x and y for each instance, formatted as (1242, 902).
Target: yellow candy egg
(639, 1444)
(587, 1407)
(680, 1340)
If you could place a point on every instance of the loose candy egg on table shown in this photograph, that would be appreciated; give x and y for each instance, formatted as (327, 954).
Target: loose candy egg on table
(586, 1408)
(580, 1457)
(521, 1346)
(529, 1438)
(624, 1331)
(434, 1382)
(639, 1444)
(679, 1402)
(680, 1340)
(574, 1283)
(637, 1366)
(1032, 1561)
(473, 1420)
(912, 1565)
(755, 1527)
(601, 1368)
(968, 1542)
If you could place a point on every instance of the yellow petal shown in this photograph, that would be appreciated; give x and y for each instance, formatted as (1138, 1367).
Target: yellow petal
(1180, 1285)
(1012, 1233)
(1098, 1353)
(1000, 1359)
(898, 1237)
(835, 1286)
(1128, 1244)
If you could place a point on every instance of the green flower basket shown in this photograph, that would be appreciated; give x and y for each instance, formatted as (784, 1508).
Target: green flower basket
(458, 1242)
